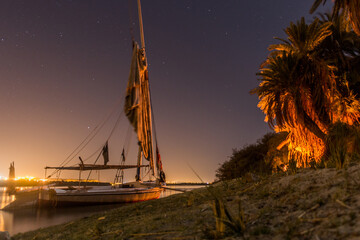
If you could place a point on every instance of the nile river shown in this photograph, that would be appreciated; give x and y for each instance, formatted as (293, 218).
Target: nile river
(28, 219)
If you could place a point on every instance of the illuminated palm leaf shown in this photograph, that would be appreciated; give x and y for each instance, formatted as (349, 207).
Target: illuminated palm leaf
(348, 8)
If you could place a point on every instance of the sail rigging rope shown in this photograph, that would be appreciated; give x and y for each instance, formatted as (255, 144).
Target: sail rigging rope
(89, 137)
(91, 169)
(93, 154)
(147, 173)
(126, 149)
(127, 141)
(112, 131)
(110, 135)
(153, 118)
(115, 126)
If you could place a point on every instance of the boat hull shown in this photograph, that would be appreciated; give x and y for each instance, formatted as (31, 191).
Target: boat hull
(60, 197)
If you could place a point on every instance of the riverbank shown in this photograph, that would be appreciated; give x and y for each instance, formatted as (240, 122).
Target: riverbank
(313, 204)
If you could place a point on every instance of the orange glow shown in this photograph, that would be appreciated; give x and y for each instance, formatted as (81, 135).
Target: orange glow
(26, 178)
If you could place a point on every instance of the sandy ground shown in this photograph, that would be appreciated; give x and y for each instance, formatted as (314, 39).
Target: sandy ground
(311, 204)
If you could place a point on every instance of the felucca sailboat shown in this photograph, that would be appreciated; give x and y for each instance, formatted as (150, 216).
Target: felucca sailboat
(138, 110)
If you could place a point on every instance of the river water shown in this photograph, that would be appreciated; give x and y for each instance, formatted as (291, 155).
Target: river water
(28, 219)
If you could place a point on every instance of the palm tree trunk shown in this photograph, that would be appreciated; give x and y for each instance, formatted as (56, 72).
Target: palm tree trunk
(313, 127)
(308, 122)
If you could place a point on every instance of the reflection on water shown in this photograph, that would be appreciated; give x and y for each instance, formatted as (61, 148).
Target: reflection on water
(5, 198)
(33, 218)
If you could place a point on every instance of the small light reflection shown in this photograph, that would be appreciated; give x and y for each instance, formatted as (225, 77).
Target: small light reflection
(3, 203)
(2, 222)
(3, 198)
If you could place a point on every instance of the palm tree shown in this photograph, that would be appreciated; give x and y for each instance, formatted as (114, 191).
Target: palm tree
(299, 90)
(348, 8)
(285, 98)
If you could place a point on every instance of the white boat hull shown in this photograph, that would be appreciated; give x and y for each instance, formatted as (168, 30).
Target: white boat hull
(97, 195)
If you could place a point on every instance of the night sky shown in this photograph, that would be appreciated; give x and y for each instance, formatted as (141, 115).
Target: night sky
(64, 65)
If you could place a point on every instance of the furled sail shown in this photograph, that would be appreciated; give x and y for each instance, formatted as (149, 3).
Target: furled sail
(137, 102)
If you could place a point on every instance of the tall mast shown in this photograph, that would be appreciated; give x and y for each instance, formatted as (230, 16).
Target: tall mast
(151, 154)
(141, 25)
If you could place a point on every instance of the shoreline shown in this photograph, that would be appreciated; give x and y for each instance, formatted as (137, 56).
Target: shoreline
(319, 203)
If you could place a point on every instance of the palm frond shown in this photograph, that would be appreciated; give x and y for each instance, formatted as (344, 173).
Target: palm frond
(316, 4)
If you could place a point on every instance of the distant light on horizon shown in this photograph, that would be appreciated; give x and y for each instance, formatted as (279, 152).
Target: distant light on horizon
(28, 178)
